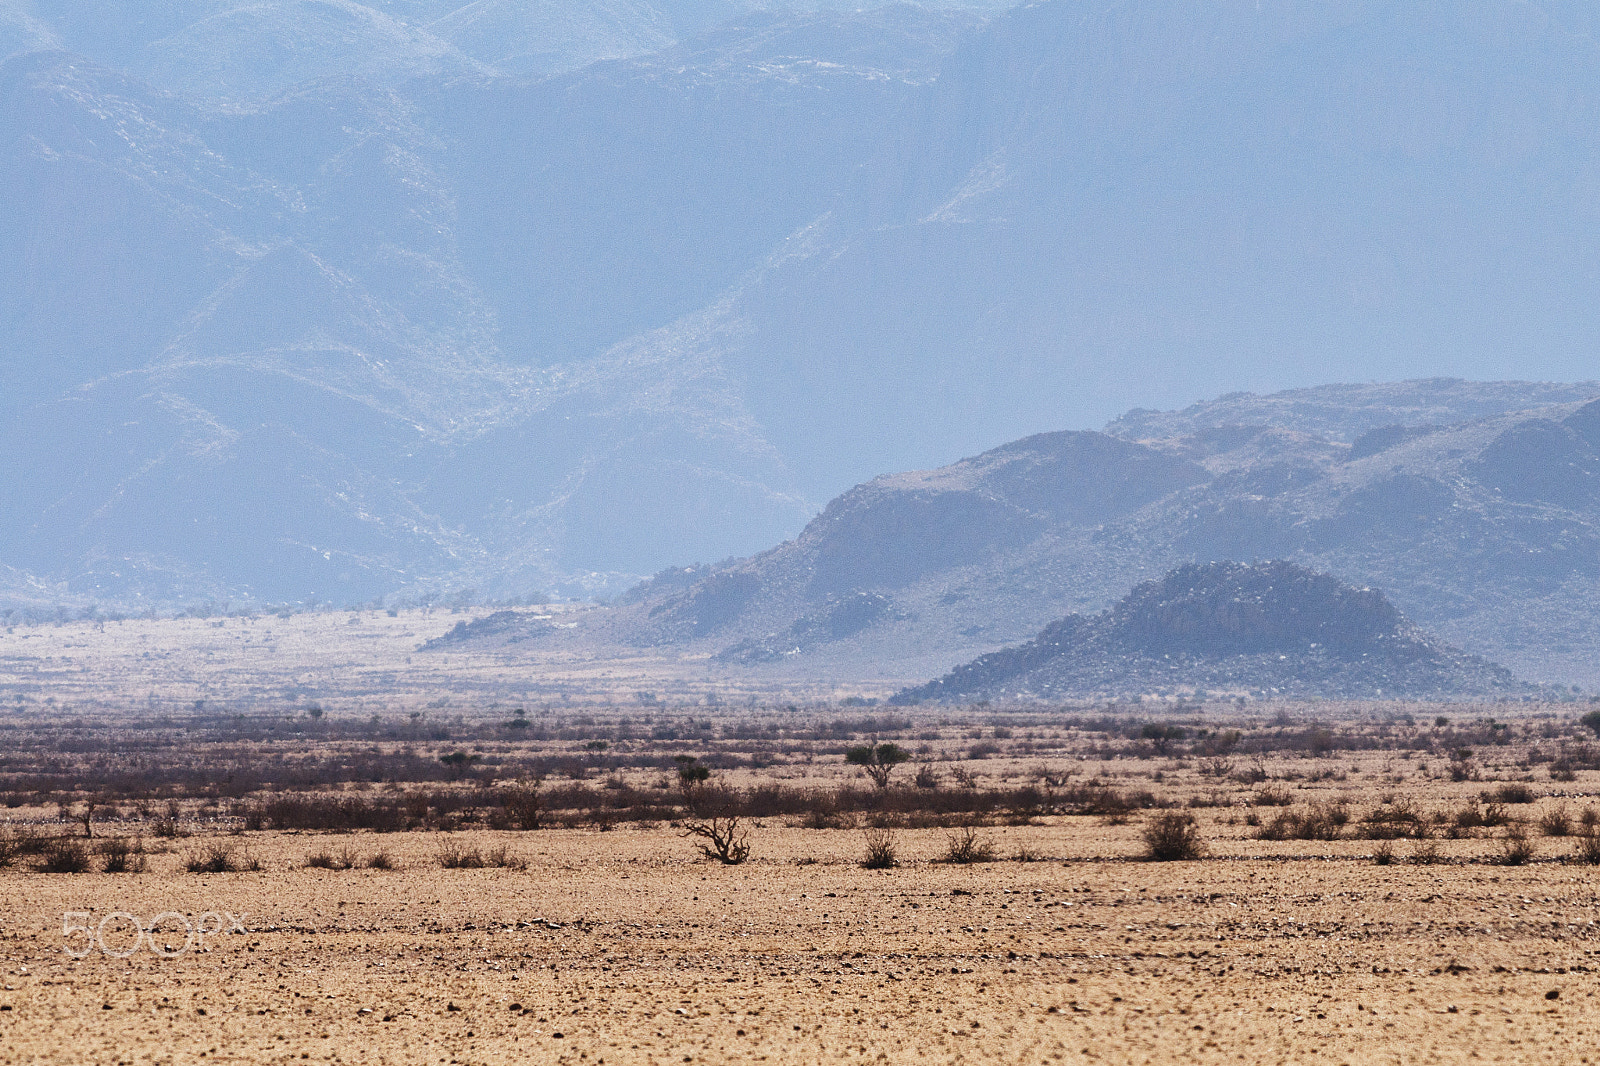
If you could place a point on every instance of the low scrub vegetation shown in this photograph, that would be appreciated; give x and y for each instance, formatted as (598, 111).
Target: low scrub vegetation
(1515, 847)
(1555, 822)
(62, 856)
(220, 857)
(1394, 820)
(1172, 837)
(967, 845)
(122, 855)
(454, 855)
(1421, 787)
(882, 848)
(1510, 792)
(328, 859)
(1319, 821)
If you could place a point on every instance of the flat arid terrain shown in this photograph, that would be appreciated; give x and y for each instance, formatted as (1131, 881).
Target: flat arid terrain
(356, 661)
(621, 949)
(1347, 883)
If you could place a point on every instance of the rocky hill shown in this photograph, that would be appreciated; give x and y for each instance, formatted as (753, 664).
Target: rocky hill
(1475, 508)
(1266, 629)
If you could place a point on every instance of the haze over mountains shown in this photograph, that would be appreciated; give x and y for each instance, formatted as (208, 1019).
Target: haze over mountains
(322, 300)
(228, 51)
(1474, 508)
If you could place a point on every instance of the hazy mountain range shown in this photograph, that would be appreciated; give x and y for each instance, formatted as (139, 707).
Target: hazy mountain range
(1474, 508)
(323, 300)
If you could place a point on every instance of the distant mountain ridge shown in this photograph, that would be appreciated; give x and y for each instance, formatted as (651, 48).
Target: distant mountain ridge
(1484, 530)
(1266, 629)
(328, 301)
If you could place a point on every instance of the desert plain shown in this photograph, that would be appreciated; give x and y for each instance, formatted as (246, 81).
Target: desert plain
(507, 878)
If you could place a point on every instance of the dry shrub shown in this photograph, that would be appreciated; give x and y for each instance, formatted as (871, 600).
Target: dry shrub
(343, 859)
(1213, 799)
(1096, 797)
(1515, 848)
(1510, 792)
(1392, 821)
(1272, 797)
(1472, 817)
(1253, 775)
(62, 856)
(16, 842)
(219, 857)
(1317, 822)
(824, 814)
(882, 847)
(1588, 847)
(521, 808)
(382, 861)
(1383, 853)
(501, 858)
(1425, 853)
(1172, 837)
(1556, 822)
(122, 855)
(965, 846)
(327, 813)
(453, 855)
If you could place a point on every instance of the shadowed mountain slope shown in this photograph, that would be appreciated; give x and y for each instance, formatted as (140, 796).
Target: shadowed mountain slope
(1269, 629)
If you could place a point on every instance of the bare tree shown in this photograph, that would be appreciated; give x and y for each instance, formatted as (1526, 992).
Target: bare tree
(724, 838)
(86, 816)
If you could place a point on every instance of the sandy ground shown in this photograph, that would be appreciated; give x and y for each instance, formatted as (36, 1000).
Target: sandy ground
(624, 947)
(620, 947)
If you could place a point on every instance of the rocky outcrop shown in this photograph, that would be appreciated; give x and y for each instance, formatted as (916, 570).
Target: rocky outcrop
(1270, 628)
